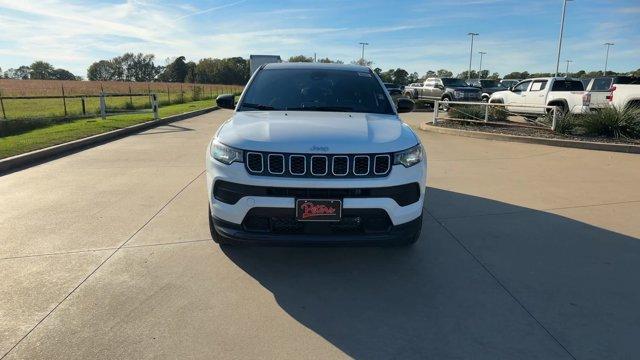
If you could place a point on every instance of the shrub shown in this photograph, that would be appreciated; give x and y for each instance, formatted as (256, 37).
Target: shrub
(565, 124)
(613, 122)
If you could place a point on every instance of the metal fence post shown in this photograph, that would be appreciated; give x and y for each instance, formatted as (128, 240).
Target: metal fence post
(103, 106)
(555, 118)
(154, 106)
(4, 115)
(486, 112)
(168, 94)
(64, 102)
(84, 109)
(130, 98)
(436, 105)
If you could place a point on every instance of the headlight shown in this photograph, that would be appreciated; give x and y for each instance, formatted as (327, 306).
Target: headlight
(458, 94)
(408, 157)
(224, 153)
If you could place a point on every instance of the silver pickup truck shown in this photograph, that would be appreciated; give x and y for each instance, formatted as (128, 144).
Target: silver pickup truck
(444, 90)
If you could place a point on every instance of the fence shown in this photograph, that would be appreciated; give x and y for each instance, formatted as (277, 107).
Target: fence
(492, 116)
(104, 111)
(65, 106)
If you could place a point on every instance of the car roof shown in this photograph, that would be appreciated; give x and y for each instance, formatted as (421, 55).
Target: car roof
(322, 66)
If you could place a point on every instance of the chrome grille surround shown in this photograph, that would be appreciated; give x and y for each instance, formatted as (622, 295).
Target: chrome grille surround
(318, 165)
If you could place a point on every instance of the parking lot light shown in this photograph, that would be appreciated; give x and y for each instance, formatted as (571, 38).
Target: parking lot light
(363, 45)
(606, 59)
(480, 69)
(564, 10)
(471, 53)
(566, 73)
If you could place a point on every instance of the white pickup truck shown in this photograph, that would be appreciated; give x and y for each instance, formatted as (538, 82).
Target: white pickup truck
(624, 96)
(601, 90)
(567, 94)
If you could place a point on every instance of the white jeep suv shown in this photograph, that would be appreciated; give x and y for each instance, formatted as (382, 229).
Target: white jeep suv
(315, 153)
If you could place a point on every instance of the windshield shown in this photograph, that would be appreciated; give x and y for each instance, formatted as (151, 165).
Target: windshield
(454, 82)
(491, 83)
(316, 90)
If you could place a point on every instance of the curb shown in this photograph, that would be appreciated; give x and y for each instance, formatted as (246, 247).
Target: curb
(42, 155)
(588, 145)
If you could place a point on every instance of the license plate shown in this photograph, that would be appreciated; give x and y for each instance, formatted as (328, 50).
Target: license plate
(318, 210)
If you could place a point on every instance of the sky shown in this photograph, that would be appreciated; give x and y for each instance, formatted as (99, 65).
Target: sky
(414, 35)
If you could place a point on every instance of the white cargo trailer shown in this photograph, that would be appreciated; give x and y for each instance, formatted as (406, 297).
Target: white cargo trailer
(255, 61)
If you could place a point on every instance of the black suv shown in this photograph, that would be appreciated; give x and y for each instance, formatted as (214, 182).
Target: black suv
(445, 90)
(487, 87)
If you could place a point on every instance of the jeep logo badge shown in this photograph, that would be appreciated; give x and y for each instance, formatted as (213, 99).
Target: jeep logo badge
(319, 148)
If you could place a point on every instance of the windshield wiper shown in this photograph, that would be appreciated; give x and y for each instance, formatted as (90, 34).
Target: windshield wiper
(323, 108)
(257, 106)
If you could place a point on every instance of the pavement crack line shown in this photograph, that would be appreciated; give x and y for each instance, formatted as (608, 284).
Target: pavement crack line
(503, 286)
(102, 263)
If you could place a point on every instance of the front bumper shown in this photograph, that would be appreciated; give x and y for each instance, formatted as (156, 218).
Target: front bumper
(236, 173)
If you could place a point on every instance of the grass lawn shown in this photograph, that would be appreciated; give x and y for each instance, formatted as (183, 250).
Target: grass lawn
(77, 129)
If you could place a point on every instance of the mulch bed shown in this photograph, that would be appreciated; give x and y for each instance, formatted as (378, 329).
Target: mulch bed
(531, 132)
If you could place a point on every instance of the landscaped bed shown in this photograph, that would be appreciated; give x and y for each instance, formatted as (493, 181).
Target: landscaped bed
(605, 126)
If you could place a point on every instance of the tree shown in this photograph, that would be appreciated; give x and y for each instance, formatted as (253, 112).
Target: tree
(329, 61)
(400, 76)
(191, 72)
(413, 77)
(362, 62)
(517, 75)
(636, 73)
(494, 76)
(141, 67)
(62, 74)
(103, 70)
(21, 73)
(443, 73)
(300, 58)
(222, 71)
(40, 70)
(176, 71)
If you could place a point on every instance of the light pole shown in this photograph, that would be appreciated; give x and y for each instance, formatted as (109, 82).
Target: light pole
(480, 69)
(566, 73)
(471, 53)
(606, 59)
(363, 45)
(564, 10)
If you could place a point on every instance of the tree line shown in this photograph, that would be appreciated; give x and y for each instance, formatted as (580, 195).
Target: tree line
(234, 70)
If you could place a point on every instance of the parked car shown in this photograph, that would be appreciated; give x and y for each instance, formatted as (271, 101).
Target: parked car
(599, 89)
(567, 94)
(488, 87)
(445, 90)
(507, 83)
(585, 82)
(315, 153)
(622, 96)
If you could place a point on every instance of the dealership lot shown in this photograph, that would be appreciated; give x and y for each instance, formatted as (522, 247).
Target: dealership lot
(527, 251)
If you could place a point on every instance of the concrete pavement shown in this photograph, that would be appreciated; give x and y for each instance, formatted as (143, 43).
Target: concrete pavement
(527, 252)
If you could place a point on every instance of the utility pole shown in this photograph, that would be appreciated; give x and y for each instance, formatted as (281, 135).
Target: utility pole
(480, 69)
(315, 59)
(471, 54)
(566, 73)
(564, 10)
(363, 45)
(606, 59)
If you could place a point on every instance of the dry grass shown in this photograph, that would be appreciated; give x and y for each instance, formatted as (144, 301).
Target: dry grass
(10, 87)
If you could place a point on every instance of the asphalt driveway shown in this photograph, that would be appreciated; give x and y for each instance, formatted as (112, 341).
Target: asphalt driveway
(527, 252)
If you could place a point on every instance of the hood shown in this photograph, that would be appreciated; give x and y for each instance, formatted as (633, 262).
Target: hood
(316, 132)
(491, 90)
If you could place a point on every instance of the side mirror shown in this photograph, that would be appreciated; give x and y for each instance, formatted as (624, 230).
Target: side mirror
(226, 101)
(405, 105)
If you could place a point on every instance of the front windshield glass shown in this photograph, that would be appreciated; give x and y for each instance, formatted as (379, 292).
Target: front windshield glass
(316, 90)
(454, 82)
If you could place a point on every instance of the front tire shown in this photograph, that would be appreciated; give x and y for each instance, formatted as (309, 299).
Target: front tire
(444, 103)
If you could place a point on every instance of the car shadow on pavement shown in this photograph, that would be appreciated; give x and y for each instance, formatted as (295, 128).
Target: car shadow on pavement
(164, 129)
(487, 279)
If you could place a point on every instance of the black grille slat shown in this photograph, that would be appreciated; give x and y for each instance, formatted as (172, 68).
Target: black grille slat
(297, 164)
(340, 165)
(254, 162)
(361, 165)
(382, 164)
(276, 163)
(318, 165)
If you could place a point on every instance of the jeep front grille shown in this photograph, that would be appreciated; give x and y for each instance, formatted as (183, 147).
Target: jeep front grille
(314, 165)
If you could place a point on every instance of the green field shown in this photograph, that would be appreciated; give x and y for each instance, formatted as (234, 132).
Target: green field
(77, 129)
